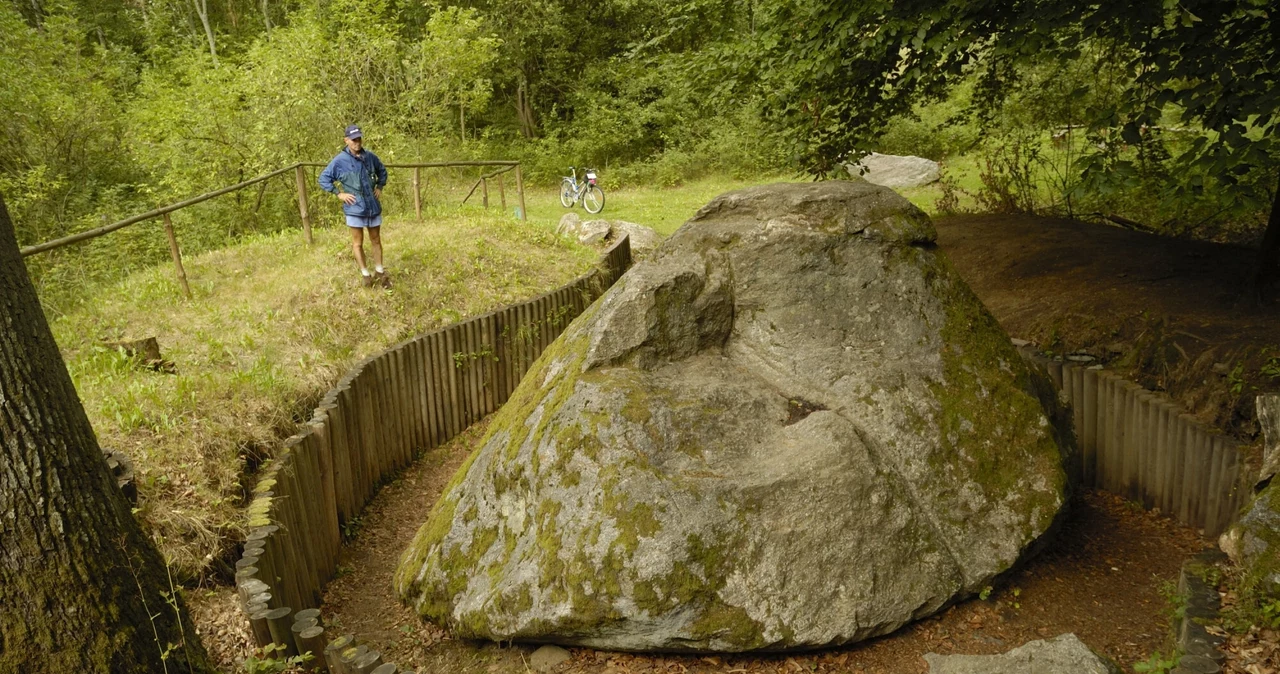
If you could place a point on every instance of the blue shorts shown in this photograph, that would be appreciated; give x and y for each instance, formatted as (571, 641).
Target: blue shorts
(364, 223)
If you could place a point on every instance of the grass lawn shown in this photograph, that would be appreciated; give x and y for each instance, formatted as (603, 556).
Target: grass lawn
(272, 325)
(665, 209)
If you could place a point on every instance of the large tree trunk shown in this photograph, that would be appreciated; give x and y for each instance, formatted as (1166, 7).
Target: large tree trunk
(1269, 252)
(82, 588)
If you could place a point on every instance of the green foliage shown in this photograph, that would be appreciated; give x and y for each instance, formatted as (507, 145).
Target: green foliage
(1164, 111)
(1175, 602)
(1269, 613)
(271, 659)
(935, 130)
(112, 110)
(1156, 664)
(60, 123)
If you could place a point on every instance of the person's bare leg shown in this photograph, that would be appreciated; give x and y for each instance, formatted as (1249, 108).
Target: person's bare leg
(357, 246)
(375, 245)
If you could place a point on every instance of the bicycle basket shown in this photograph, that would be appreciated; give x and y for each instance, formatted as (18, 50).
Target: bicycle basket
(591, 177)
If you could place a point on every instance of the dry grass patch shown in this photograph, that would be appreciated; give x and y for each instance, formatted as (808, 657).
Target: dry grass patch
(272, 325)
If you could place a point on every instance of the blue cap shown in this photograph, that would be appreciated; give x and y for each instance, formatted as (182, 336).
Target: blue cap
(353, 132)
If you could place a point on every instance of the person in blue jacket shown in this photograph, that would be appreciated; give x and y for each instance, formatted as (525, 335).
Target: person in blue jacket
(357, 176)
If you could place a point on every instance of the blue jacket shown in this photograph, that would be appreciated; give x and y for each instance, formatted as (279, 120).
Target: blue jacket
(358, 176)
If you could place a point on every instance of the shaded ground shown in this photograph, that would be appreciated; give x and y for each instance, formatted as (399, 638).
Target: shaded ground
(1102, 579)
(1166, 311)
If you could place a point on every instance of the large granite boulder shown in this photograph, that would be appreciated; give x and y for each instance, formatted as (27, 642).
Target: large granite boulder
(793, 427)
(896, 171)
(1063, 654)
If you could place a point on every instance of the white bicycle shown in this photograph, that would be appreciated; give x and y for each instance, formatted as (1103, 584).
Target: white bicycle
(588, 191)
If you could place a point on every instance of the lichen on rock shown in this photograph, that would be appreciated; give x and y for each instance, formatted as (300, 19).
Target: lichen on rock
(650, 485)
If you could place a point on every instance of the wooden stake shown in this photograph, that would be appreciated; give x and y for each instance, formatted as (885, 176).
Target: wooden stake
(278, 623)
(311, 640)
(484, 191)
(177, 256)
(502, 194)
(302, 203)
(258, 623)
(524, 215)
(417, 192)
(333, 652)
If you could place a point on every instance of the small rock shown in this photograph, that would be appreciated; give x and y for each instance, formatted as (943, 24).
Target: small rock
(547, 657)
(643, 239)
(145, 353)
(593, 231)
(1064, 654)
(568, 224)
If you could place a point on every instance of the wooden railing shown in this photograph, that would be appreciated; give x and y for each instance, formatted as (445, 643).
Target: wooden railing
(414, 396)
(304, 212)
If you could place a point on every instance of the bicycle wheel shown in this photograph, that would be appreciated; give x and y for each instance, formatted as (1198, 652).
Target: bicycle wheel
(593, 199)
(567, 196)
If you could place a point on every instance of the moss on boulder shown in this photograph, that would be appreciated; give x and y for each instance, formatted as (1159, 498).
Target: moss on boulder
(793, 427)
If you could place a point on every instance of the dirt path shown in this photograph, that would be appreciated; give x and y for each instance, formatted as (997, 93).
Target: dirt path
(1166, 311)
(1101, 579)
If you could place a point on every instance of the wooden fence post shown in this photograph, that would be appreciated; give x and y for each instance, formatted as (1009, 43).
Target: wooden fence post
(484, 191)
(417, 192)
(502, 194)
(177, 256)
(302, 202)
(524, 215)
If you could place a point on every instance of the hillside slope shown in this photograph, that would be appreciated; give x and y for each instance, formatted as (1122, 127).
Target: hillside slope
(273, 324)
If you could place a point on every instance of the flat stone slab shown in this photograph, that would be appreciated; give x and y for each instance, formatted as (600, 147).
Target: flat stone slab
(896, 171)
(1063, 654)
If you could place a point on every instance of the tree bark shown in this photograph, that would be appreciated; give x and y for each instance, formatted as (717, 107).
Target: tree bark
(82, 588)
(266, 15)
(1269, 252)
(202, 9)
(524, 111)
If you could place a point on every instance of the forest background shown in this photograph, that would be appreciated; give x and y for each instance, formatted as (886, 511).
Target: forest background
(112, 107)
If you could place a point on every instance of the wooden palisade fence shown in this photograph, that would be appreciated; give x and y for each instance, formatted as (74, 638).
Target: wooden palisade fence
(414, 396)
(304, 212)
(1140, 445)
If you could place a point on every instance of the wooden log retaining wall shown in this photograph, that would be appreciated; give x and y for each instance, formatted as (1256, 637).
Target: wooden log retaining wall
(414, 396)
(1140, 445)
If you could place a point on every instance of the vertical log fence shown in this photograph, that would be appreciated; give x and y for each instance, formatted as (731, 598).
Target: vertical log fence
(415, 396)
(1139, 445)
